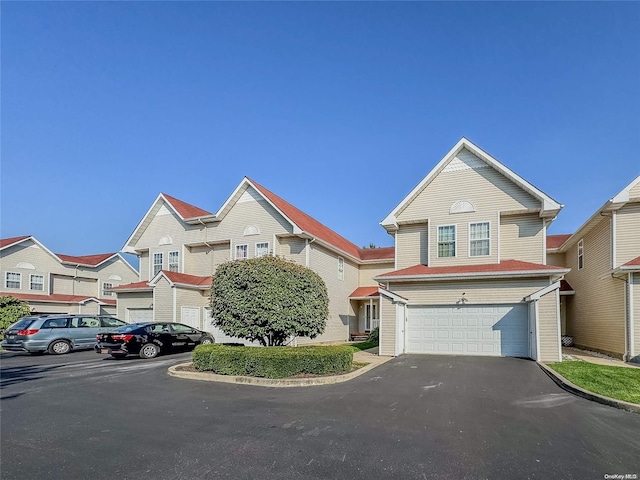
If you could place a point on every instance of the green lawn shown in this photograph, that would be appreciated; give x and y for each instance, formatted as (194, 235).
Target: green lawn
(361, 345)
(615, 382)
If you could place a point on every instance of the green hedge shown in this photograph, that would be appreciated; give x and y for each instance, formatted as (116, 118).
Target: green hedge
(273, 362)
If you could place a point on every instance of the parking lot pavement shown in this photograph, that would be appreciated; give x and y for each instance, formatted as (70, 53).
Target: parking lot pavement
(412, 417)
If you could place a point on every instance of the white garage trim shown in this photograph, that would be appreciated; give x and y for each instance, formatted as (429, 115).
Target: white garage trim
(486, 330)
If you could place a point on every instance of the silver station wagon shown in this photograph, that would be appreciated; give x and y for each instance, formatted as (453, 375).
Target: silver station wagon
(57, 334)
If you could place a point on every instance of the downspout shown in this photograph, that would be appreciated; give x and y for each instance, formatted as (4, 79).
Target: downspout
(628, 316)
(631, 326)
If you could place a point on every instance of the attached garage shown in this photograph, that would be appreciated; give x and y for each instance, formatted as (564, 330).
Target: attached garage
(489, 330)
(139, 315)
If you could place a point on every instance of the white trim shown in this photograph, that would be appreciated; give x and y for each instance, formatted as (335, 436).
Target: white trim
(547, 203)
(469, 238)
(469, 275)
(395, 249)
(183, 256)
(536, 308)
(632, 346)
(102, 292)
(6, 280)
(31, 275)
(341, 271)
(499, 223)
(394, 297)
(152, 264)
(306, 252)
(559, 326)
(455, 240)
(256, 249)
(175, 303)
(544, 242)
(428, 242)
(246, 257)
(542, 292)
(580, 252)
(153, 309)
(169, 261)
(401, 315)
(614, 252)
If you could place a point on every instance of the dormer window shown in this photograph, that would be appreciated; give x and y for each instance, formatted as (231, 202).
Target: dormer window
(446, 241)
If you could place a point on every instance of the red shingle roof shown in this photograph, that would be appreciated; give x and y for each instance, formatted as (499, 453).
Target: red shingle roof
(186, 279)
(10, 241)
(91, 260)
(185, 209)
(132, 286)
(361, 292)
(633, 263)
(55, 298)
(314, 227)
(556, 241)
(506, 266)
(565, 287)
(384, 253)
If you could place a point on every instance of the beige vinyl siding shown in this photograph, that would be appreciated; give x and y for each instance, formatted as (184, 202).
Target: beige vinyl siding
(45, 307)
(387, 326)
(556, 259)
(548, 334)
(635, 192)
(108, 310)
(476, 292)
(203, 260)
(596, 313)
(143, 266)
(485, 188)
(92, 308)
(163, 301)
(190, 298)
(521, 238)
(636, 316)
(27, 252)
(627, 233)
(368, 271)
(128, 300)
(341, 312)
(412, 245)
(293, 248)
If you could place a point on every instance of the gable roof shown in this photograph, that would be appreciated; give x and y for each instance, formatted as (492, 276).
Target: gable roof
(144, 285)
(504, 268)
(7, 242)
(184, 209)
(549, 207)
(381, 253)
(364, 293)
(183, 279)
(556, 241)
(87, 260)
(615, 203)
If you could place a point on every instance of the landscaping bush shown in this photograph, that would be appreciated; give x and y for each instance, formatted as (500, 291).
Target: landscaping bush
(374, 335)
(273, 362)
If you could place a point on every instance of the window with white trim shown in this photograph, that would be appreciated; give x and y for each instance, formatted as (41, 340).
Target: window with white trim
(479, 239)
(340, 268)
(446, 241)
(157, 263)
(580, 254)
(36, 282)
(174, 261)
(262, 249)
(12, 280)
(105, 287)
(242, 252)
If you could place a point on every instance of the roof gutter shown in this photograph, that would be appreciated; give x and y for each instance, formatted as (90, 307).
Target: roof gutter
(474, 275)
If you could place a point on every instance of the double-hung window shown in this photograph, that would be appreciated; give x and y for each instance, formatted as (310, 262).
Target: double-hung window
(36, 282)
(580, 254)
(446, 241)
(262, 249)
(340, 268)
(479, 239)
(157, 263)
(174, 261)
(105, 289)
(12, 280)
(242, 252)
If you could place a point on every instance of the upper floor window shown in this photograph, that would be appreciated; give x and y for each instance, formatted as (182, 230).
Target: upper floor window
(242, 252)
(157, 263)
(479, 239)
(447, 241)
(262, 249)
(580, 254)
(174, 261)
(36, 282)
(340, 268)
(105, 289)
(12, 280)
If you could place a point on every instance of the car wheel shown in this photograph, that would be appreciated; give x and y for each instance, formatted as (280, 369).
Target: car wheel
(206, 341)
(149, 350)
(60, 347)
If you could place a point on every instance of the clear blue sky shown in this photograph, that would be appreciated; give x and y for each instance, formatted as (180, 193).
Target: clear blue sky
(339, 108)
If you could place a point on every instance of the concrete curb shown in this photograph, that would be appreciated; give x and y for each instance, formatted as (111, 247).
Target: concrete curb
(581, 392)
(273, 382)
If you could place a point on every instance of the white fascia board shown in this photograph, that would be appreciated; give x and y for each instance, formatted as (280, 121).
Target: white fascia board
(474, 275)
(127, 245)
(201, 220)
(155, 279)
(392, 296)
(132, 290)
(540, 293)
(623, 195)
(365, 298)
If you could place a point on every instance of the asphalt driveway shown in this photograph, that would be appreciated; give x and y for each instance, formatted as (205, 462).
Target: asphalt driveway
(413, 417)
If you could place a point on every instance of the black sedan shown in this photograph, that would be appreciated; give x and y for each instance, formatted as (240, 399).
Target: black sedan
(150, 339)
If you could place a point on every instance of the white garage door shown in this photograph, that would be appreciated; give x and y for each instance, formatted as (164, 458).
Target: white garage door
(492, 330)
(139, 315)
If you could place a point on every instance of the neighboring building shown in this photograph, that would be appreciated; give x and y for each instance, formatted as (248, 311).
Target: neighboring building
(470, 273)
(603, 314)
(56, 283)
(180, 246)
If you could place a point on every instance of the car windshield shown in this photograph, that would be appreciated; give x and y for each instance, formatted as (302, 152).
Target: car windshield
(23, 323)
